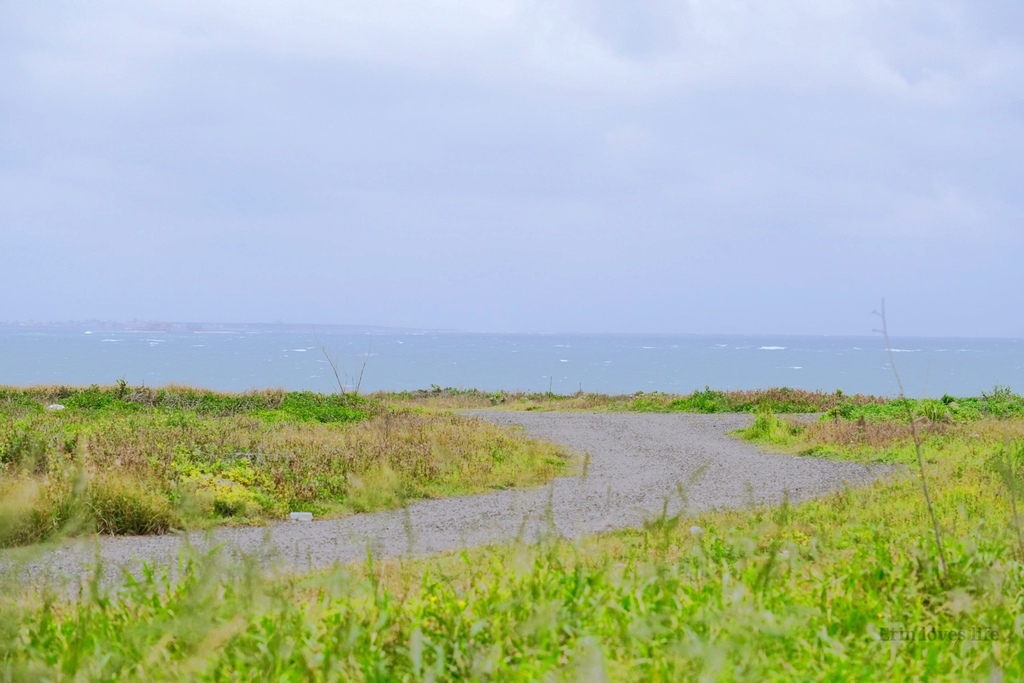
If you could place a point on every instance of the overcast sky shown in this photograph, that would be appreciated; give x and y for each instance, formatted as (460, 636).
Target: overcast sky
(516, 165)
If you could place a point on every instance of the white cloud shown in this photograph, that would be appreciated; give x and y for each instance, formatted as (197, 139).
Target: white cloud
(584, 138)
(916, 50)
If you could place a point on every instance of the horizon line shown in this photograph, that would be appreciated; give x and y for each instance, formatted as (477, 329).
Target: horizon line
(185, 326)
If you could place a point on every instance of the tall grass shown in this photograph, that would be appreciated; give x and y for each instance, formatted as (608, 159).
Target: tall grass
(840, 588)
(846, 587)
(767, 428)
(126, 461)
(708, 400)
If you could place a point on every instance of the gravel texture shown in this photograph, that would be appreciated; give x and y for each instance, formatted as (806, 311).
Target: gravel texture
(637, 463)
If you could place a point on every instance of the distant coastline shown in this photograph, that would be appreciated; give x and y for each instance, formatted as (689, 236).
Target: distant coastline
(137, 326)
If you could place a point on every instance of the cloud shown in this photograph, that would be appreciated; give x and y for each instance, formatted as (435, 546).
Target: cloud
(617, 151)
(917, 50)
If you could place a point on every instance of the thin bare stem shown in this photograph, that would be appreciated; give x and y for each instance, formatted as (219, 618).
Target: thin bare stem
(917, 444)
(362, 368)
(333, 363)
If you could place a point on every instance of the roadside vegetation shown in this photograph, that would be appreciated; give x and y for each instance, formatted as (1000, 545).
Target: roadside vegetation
(708, 400)
(845, 587)
(128, 460)
(877, 432)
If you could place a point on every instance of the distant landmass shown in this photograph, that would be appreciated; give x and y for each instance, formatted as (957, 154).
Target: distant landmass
(159, 326)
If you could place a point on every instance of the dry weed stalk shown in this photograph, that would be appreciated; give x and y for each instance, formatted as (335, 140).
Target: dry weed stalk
(917, 444)
(333, 362)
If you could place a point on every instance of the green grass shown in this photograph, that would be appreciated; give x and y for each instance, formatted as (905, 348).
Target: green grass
(815, 591)
(1000, 402)
(125, 460)
(805, 592)
(769, 429)
(780, 400)
(270, 405)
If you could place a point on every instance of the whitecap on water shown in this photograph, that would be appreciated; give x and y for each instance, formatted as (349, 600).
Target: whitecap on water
(772, 348)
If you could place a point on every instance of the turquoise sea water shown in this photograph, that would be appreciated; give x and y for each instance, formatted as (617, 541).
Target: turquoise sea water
(247, 359)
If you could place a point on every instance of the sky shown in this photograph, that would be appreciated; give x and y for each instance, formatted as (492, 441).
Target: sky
(674, 166)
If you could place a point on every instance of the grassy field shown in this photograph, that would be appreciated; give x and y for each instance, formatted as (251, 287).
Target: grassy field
(780, 400)
(847, 587)
(125, 460)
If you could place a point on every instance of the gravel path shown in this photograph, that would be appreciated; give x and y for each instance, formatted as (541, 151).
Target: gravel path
(637, 462)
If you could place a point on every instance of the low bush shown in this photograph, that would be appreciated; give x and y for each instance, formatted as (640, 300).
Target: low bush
(767, 428)
(124, 505)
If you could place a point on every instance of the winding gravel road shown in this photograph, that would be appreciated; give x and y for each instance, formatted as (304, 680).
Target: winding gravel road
(637, 462)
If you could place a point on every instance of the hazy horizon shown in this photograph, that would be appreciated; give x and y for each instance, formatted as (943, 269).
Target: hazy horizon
(662, 166)
(124, 326)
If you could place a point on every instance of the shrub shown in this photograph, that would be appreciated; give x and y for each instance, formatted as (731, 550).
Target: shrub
(125, 505)
(770, 429)
(707, 401)
(34, 509)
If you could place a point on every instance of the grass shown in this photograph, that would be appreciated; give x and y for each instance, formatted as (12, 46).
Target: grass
(845, 587)
(1000, 402)
(769, 429)
(882, 441)
(780, 400)
(120, 460)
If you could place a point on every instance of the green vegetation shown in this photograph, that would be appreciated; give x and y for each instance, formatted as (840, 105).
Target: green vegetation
(768, 429)
(781, 400)
(878, 433)
(1001, 402)
(122, 399)
(846, 587)
(125, 460)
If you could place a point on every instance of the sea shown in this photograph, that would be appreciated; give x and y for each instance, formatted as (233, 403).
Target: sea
(297, 358)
